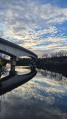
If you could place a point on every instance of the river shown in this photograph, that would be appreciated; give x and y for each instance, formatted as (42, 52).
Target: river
(42, 97)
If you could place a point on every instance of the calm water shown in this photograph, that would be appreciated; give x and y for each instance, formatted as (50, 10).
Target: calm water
(42, 97)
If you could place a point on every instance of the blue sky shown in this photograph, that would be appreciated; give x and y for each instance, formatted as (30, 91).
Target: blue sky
(38, 25)
(59, 3)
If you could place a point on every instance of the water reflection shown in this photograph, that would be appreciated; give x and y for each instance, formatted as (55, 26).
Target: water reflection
(54, 76)
(42, 97)
(10, 82)
(3, 70)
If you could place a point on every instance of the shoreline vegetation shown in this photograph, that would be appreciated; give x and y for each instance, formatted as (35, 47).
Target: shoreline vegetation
(54, 64)
(57, 62)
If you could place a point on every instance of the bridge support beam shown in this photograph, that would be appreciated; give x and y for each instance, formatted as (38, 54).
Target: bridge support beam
(13, 64)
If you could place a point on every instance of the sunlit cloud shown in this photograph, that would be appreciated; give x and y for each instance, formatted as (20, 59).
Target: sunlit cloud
(33, 25)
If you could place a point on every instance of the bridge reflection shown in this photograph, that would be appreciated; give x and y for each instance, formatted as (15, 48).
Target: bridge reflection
(10, 82)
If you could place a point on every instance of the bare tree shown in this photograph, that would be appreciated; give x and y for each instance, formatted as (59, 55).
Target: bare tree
(45, 56)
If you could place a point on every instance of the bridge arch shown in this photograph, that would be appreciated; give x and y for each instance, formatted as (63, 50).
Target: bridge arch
(14, 51)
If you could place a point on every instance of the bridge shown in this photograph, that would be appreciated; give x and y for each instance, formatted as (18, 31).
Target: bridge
(14, 51)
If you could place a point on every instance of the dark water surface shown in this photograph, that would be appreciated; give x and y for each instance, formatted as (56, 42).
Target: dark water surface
(42, 97)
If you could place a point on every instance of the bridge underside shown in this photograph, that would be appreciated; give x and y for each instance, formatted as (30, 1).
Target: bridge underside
(14, 51)
(6, 53)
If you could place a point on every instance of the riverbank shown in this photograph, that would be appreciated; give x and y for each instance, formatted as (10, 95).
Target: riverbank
(55, 64)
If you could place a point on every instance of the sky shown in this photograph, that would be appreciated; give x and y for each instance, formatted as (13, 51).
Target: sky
(38, 25)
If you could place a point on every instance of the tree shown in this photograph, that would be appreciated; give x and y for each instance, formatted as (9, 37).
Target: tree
(45, 56)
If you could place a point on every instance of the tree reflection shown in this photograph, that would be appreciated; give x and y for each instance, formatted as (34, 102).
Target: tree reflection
(3, 70)
(53, 75)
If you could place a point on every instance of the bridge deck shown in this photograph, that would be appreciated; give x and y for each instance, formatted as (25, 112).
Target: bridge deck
(10, 48)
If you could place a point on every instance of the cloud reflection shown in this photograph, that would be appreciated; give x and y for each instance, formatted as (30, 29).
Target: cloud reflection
(41, 97)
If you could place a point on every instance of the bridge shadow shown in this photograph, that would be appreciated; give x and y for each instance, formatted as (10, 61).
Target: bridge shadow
(9, 82)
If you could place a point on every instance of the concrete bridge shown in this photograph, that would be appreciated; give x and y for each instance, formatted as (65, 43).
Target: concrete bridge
(14, 51)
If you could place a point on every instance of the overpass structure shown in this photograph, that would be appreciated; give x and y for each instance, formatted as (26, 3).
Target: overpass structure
(14, 51)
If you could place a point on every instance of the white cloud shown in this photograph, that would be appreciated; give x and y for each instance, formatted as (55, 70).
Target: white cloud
(27, 23)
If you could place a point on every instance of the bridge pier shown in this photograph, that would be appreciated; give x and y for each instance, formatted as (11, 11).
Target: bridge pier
(13, 64)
